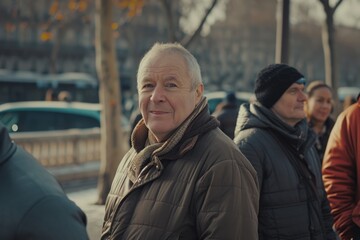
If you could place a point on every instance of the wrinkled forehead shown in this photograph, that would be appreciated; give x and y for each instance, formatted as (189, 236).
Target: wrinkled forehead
(163, 63)
(160, 59)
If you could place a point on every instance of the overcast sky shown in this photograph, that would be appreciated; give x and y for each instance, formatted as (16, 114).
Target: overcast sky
(348, 13)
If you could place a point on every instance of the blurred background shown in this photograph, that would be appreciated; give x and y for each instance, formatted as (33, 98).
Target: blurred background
(57, 53)
(41, 40)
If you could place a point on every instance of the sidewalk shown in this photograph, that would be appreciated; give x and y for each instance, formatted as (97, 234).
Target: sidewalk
(85, 199)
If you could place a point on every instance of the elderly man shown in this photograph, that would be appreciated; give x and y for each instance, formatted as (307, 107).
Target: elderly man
(273, 134)
(183, 178)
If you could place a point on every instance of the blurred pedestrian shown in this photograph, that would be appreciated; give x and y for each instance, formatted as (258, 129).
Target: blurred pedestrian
(32, 203)
(65, 96)
(341, 172)
(51, 95)
(274, 135)
(318, 108)
(226, 113)
(183, 178)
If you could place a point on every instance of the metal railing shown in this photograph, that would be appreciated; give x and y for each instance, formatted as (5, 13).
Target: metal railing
(61, 148)
(69, 155)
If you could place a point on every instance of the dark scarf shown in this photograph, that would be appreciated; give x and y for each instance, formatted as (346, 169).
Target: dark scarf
(149, 152)
(297, 136)
(323, 137)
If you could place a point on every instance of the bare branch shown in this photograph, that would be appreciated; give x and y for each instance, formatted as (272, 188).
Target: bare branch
(170, 20)
(188, 39)
(337, 5)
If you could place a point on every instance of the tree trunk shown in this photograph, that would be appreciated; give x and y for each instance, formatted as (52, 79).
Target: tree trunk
(55, 50)
(282, 31)
(112, 146)
(328, 47)
(328, 41)
(170, 20)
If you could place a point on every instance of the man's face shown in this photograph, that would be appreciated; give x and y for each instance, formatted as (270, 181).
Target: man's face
(166, 97)
(290, 107)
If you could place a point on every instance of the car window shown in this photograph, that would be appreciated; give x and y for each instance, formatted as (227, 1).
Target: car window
(39, 121)
(216, 101)
(29, 121)
(213, 103)
(78, 121)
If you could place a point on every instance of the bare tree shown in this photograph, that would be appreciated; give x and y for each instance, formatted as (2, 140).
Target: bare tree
(187, 39)
(328, 39)
(112, 145)
(282, 31)
(64, 16)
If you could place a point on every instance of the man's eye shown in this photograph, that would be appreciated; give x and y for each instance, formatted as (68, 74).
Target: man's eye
(147, 86)
(170, 85)
(292, 91)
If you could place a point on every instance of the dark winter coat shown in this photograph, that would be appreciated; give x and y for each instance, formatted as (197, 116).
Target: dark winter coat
(323, 137)
(203, 189)
(227, 115)
(289, 207)
(32, 203)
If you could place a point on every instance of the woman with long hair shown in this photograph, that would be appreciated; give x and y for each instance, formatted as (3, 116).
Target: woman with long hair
(318, 109)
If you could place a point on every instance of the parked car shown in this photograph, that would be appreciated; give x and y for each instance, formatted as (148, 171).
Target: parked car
(343, 92)
(214, 98)
(31, 116)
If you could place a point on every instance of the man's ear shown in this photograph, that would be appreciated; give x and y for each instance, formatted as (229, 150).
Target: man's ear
(199, 90)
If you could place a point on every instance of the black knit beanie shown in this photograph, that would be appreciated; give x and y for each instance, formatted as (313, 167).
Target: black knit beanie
(273, 81)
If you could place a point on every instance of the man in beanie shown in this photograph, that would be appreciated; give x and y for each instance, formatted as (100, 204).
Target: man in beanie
(272, 133)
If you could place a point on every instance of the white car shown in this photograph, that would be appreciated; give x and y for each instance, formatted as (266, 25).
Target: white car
(214, 98)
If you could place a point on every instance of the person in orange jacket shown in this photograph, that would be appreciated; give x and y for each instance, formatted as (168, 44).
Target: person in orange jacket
(341, 172)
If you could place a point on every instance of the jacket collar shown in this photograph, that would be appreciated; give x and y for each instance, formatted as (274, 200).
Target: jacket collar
(182, 141)
(7, 146)
(257, 116)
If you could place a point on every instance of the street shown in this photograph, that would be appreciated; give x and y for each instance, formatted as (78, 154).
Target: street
(85, 199)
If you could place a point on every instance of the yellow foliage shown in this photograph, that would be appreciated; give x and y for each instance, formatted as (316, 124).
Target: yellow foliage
(114, 26)
(80, 6)
(134, 6)
(45, 36)
(72, 5)
(124, 3)
(54, 7)
(59, 16)
(83, 5)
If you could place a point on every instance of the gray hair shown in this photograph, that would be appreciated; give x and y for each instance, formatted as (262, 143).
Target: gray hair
(191, 62)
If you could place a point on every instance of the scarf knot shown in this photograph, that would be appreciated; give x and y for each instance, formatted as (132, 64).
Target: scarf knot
(150, 152)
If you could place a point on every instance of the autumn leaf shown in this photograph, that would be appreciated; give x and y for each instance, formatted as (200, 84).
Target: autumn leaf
(114, 26)
(54, 7)
(45, 36)
(72, 5)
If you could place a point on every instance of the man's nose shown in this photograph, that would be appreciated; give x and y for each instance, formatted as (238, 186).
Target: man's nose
(157, 94)
(303, 96)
